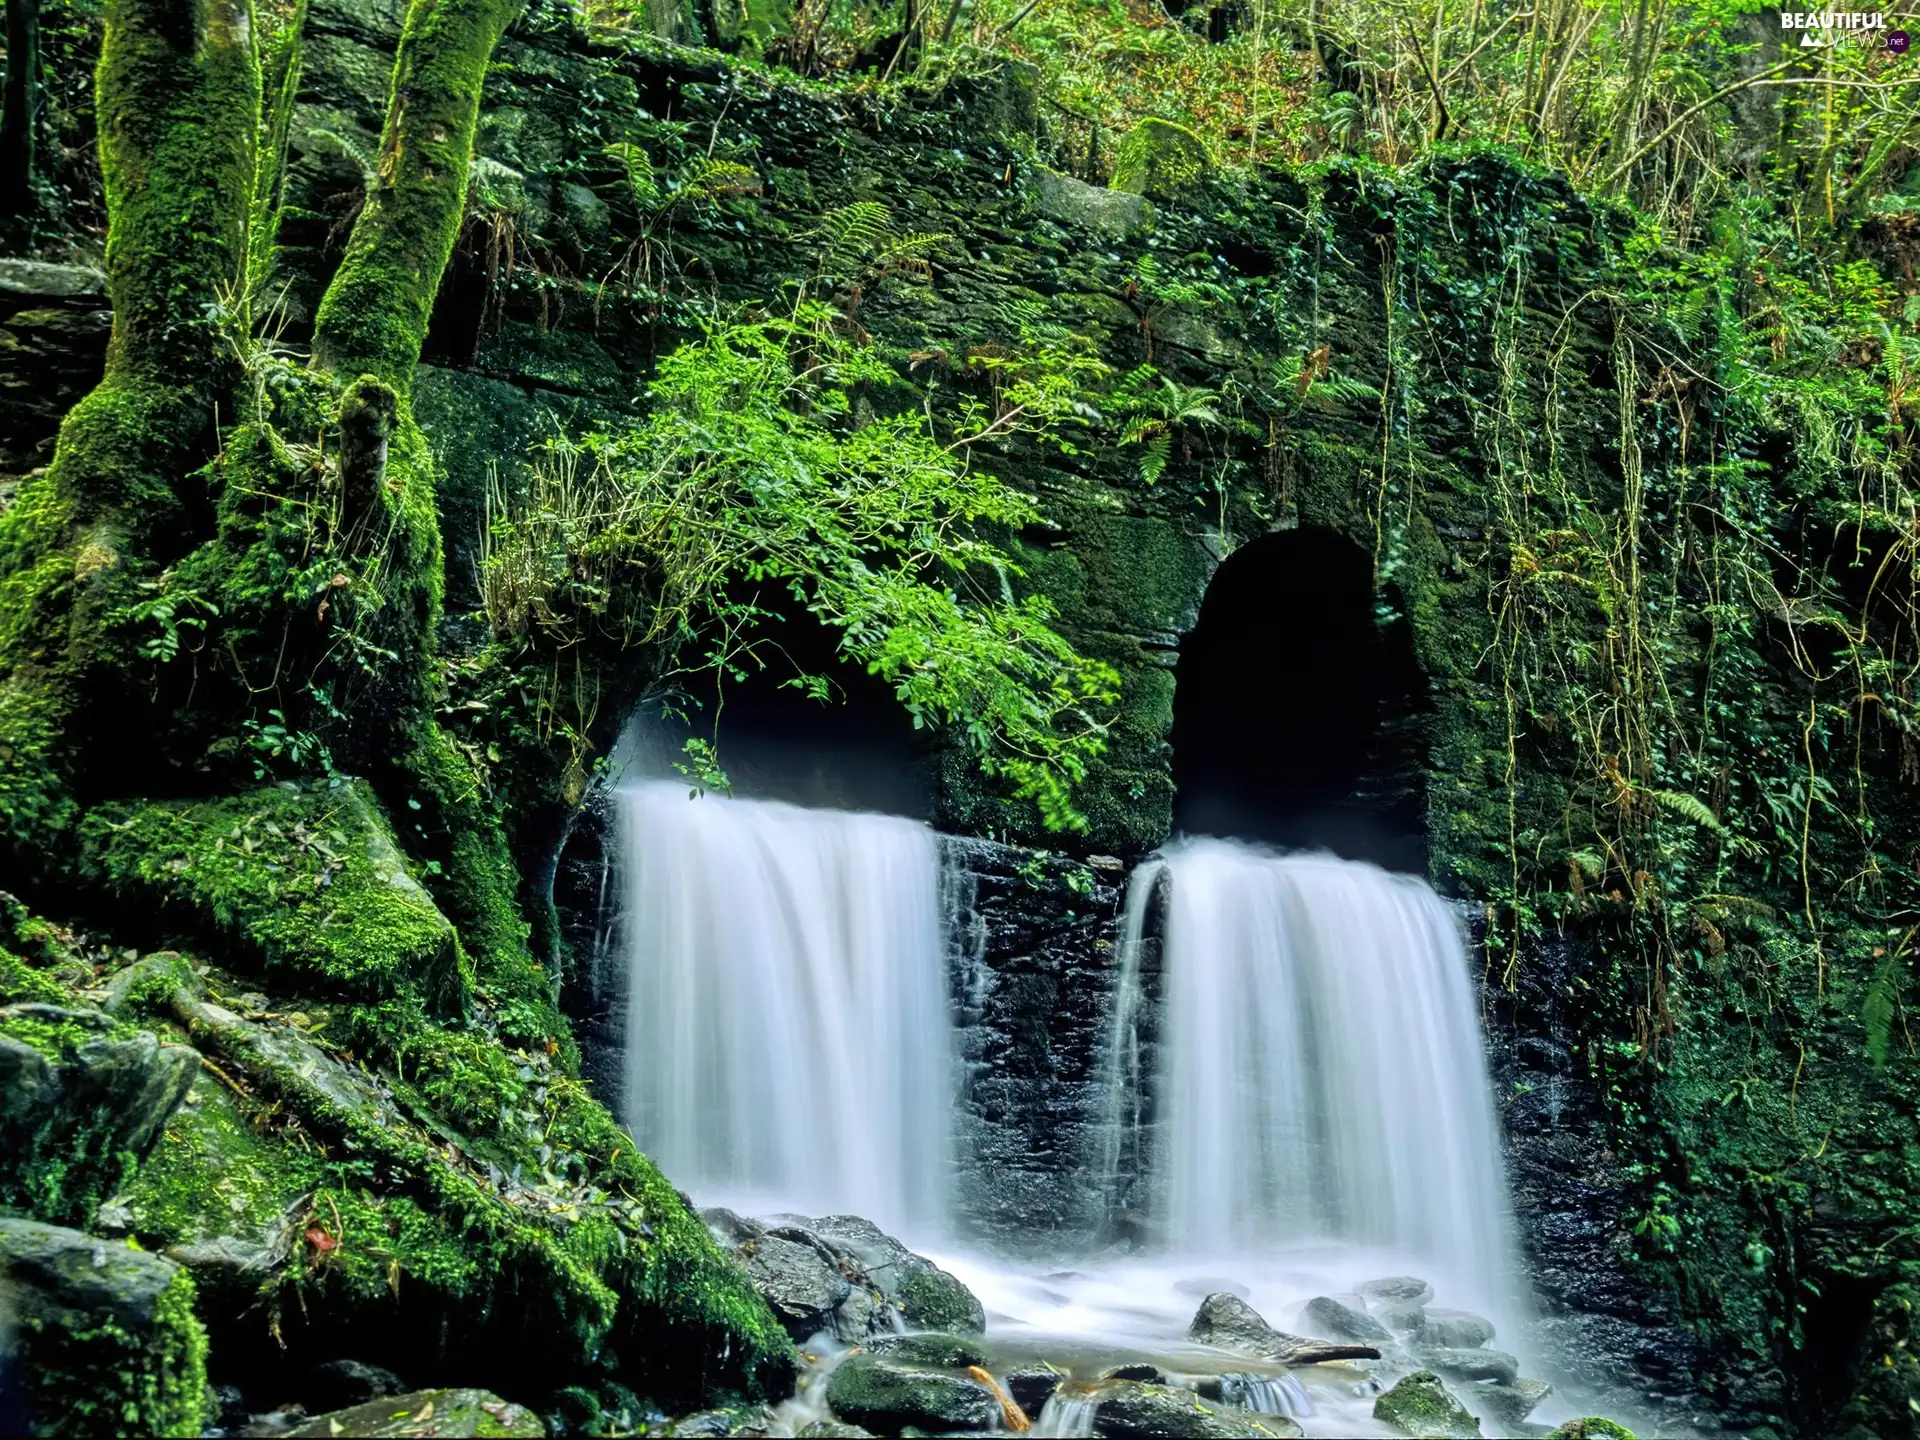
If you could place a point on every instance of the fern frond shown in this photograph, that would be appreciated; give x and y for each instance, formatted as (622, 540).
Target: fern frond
(1882, 1005)
(1690, 807)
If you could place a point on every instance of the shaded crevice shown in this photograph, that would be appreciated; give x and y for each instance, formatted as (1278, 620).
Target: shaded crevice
(1299, 709)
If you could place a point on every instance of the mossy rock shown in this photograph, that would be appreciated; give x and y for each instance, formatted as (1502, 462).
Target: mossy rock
(1592, 1427)
(1162, 161)
(1133, 1410)
(1420, 1406)
(82, 1098)
(304, 880)
(454, 1414)
(105, 1333)
(885, 1395)
(952, 1352)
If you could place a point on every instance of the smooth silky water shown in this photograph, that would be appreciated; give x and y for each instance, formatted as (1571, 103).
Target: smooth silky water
(788, 1040)
(1321, 1112)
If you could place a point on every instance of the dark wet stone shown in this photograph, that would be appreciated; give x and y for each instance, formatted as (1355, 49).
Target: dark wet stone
(952, 1352)
(885, 1396)
(338, 1384)
(1033, 1385)
(449, 1414)
(1328, 1317)
(1130, 1410)
(1421, 1407)
(1230, 1323)
(1470, 1365)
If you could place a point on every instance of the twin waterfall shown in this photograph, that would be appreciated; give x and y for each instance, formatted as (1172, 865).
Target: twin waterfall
(790, 1046)
(787, 1039)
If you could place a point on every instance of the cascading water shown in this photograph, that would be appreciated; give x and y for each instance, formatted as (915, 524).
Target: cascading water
(1321, 1077)
(788, 1045)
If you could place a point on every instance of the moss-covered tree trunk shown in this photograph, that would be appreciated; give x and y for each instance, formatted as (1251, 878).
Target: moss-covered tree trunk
(178, 101)
(218, 692)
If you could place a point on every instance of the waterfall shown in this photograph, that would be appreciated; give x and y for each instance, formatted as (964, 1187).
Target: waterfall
(1321, 1076)
(788, 1044)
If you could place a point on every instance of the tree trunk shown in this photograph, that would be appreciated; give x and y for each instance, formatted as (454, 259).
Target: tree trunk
(17, 118)
(179, 99)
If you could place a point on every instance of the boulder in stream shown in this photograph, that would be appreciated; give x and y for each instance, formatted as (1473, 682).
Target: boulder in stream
(1453, 1330)
(1592, 1427)
(1396, 1290)
(1509, 1405)
(1033, 1385)
(452, 1414)
(845, 1274)
(1228, 1322)
(1327, 1317)
(1471, 1365)
(1132, 1410)
(949, 1352)
(1420, 1406)
(887, 1395)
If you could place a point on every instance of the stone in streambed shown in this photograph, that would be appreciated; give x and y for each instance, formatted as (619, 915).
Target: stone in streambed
(1509, 1405)
(338, 1384)
(1033, 1385)
(798, 1283)
(835, 1430)
(1327, 1317)
(886, 1395)
(949, 1352)
(1131, 1410)
(1420, 1406)
(1135, 1370)
(1229, 1323)
(1592, 1427)
(453, 1414)
(1397, 1290)
(1453, 1330)
(1472, 1365)
(723, 1422)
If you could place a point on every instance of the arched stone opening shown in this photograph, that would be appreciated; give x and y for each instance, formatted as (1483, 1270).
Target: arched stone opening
(1299, 706)
(853, 749)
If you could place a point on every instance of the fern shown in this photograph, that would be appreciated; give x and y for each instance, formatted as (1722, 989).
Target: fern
(351, 147)
(1690, 807)
(1881, 1007)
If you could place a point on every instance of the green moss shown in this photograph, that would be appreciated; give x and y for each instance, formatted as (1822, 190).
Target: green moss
(1421, 1406)
(1591, 1428)
(375, 312)
(103, 1371)
(1162, 161)
(305, 881)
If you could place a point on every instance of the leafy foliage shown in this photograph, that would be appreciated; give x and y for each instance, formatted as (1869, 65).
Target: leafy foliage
(779, 473)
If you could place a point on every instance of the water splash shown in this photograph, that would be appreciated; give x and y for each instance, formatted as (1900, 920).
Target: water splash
(1321, 1073)
(788, 1045)
(1064, 1417)
(1268, 1394)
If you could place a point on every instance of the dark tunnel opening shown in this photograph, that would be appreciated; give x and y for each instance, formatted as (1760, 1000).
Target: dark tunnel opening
(855, 749)
(1299, 708)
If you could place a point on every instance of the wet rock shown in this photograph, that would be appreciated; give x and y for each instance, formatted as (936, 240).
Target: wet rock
(886, 1395)
(1509, 1405)
(74, 1110)
(1130, 1410)
(843, 1273)
(1230, 1323)
(951, 1352)
(1136, 1370)
(834, 1430)
(1080, 206)
(1397, 1290)
(338, 1384)
(1454, 1330)
(724, 1421)
(104, 1335)
(1400, 1319)
(1591, 1427)
(1470, 1365)
(1420, 1406)
(1328, 1317)
(1266, 1394)
(450, 1414)
(1033, 1385)
(798, 1282)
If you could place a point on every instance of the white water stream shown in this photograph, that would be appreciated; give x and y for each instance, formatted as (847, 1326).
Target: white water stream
(1321, 1075)
(788, 1040)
